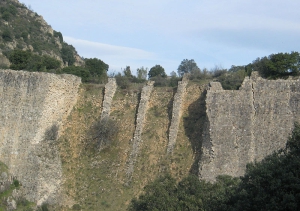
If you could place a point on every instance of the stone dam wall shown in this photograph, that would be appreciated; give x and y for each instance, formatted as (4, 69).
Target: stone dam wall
(33, 107)
(238, 127)
(110, 89)
(140, 119)
(176, 114)
(247, 124)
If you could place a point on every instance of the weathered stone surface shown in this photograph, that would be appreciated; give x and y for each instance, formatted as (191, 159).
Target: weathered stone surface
(30, 104)
(247, 124)
(176, 114)
(140, 119)
(110, 89)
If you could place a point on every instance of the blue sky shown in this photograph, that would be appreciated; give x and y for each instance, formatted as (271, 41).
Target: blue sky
(139, 33)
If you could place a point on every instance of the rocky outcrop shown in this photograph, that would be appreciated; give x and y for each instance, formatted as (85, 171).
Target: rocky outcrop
(176, 114)
(140, 119)
(247, 124)
(110, 89)
(33, 107)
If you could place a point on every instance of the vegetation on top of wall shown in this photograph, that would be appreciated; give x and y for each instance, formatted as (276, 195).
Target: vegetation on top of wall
(276, 65)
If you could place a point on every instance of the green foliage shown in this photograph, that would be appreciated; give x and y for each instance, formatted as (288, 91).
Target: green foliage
(173, 81)
(8, 11)
(19, 59)
(276, 65)
(157, 70)
(273, 183)
(76, 207)
(187, 66)
(189, 194)
(78, 71)
(159, 195)
(7, 35)
(67, 54)
(142, 73)
(127, 72)
(6, 16)
(93, 72)
(59, 35)
(97, 69)
(103, 133)
(16, 183)
(122, 81)
(232, 80)
(160, 81)
(26, 60)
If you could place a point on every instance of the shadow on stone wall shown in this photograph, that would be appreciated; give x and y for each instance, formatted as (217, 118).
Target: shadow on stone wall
(170, 108)
(194, 125)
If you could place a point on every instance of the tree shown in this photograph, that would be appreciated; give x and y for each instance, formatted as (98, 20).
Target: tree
(276, 65)
(67, 54)
(7, 35)
(78, 71)
(187, 66)
(273, 183)
(97, 68)
(157, 70)
(142, 73)
(159, 195)
(127, 72)
(19, 59)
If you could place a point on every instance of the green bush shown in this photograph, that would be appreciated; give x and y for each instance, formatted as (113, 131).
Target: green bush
(103, 132)
(67, 54)
(122, 81)
(7, 35)
(76, 207)
(25, 60)
(6, 16)
(78, 71)
(19, 59)
(16, 183)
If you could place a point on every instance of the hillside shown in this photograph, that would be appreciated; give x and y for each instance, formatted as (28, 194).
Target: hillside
(23, 29)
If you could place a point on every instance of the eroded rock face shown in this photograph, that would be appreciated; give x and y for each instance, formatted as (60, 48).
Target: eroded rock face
(31, 105)
(247, 124)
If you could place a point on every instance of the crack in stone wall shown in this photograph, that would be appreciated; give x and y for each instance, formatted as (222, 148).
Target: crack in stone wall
(176, 114)
(110, 89)
(247, 124)
(140, 119)
(30, 104)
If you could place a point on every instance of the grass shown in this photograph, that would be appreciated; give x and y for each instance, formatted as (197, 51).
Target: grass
(96, 180)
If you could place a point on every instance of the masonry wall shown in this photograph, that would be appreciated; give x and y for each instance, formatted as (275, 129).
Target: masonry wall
(110, 89)
(31, 104)
(247, 124)
(140, 120)
(176, 114)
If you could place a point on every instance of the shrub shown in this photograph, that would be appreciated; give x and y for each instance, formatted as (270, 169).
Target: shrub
(78, 71)
(7, 36)
(76, 207)
(16, 183)
(122, 81)
(67, 54)
(19, 59)
(6, 16)
(103, 132)
(160, 81)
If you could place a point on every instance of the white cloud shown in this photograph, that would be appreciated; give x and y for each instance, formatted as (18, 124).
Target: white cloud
(117, 57)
